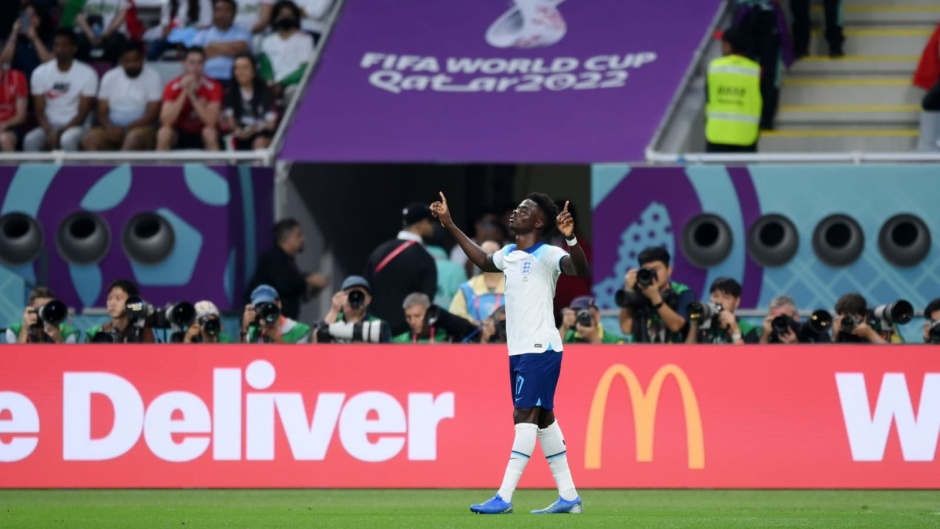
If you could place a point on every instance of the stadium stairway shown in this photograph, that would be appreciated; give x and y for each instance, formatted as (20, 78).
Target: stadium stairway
(863, 101)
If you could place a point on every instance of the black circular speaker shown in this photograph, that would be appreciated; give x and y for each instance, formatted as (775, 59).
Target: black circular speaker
(838, 240)
(148, 238)
(20, 238)
(83, 238)
(772, 240)
(706, 240)
(904, 240)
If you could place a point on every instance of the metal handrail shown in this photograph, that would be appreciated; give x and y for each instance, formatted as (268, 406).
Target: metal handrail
(853, 157)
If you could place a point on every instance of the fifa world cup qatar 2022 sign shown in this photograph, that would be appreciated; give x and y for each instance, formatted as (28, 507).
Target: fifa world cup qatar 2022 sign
(407, 416)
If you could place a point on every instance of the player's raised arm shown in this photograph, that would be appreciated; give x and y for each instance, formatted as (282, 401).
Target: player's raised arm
(575, 264)
(476, 254)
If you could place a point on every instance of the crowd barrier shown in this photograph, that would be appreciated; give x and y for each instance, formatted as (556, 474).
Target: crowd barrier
(440, 416)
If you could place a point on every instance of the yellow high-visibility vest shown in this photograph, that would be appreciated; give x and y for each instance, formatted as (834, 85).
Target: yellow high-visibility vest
(734, 101)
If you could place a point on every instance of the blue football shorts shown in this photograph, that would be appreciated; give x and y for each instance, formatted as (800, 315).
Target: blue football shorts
(533, 377)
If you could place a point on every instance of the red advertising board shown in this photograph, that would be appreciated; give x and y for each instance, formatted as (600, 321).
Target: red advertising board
(440, 416)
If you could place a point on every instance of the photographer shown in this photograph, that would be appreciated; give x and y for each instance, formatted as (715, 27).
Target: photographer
(43, 321)
(783, 325)
(851, 322)
(932, 325)
(207, 327)
(125, 326)
(653, 308)
(581, 323)
(430, 323)
(263, 321)
(349, 319)
(715, 322)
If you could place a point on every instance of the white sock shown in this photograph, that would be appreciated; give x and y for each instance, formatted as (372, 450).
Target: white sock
(553, 446)
(522, 447)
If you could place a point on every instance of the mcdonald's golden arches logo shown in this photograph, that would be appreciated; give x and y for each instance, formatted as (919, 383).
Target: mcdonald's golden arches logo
(644, 414)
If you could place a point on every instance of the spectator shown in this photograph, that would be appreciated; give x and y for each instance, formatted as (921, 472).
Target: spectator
(253, 15)
(766, 39)
(430, 323)
(222, 41)
(493, 329)
(801, 27)
(932, 323)
(482, 294)
(263, 321)
(34, 329)
(723, 327)
(249, 107)
(207, 328)
(733, 110)
(851, 322)
(285, 53)
(128, 105)
(351, 305)
(63, 93)
(180, 20)
(315, 16)
(29, 43)
(487, 227)
(278, 268)
(401, 266)
(102, 32)
(191, 106)
(581, 323)
(653, 307)
(121, 328)
(13, 105)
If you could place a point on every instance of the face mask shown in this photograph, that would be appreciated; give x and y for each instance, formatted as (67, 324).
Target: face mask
(286, 23)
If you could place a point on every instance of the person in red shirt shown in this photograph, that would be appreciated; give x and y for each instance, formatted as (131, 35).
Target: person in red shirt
(13, 102)
(191, 106)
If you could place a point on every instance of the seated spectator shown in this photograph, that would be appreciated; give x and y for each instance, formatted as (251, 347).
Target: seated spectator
(207, 328)
(180, 21)
(34, 329)
(249, 107)
(493, 329)
(128, 105)
(581, 323)
(262, 321)
(191, 106)
(315, 16)
(285, 53)
(30, 40)
(63, 92)
(932, 323)
(253, 15)
(482, 294)
(13, 104)
(431, 324)
(121, 328)
(851, 322)
(222, 41)
(351, 305)
(102, 32)
(723, 327)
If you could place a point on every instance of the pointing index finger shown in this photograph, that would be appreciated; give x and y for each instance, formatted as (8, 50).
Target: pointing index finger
(566, 205)
(443, 198)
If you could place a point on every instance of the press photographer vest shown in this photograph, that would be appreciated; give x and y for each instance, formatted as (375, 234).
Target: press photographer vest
(65, 329)
(734, 102)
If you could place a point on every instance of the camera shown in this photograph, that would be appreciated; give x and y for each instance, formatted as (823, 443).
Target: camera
(897, 313)
(781, 324)
(356, 298)
(53, 312)
(815, 327)
(645, 277)
(267, 313)
(848, 323)
(934, 333)
(703, 312)
(211, 326)
(584, 318)
(367, 331)
(177, 316)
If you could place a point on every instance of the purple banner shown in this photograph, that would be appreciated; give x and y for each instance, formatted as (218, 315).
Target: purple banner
(540, 81)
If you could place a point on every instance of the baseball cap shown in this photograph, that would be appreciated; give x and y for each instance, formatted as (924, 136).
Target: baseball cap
(414, 213)
(356, 281)
(263, 294)
(582, 302)
(206, 308)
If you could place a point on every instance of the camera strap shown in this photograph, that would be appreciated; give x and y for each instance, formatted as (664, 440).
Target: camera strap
(395, 253)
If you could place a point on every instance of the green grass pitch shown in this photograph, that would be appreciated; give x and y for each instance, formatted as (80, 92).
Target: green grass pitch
(442, 509)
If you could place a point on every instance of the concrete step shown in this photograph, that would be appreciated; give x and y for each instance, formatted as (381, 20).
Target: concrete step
(849, 91)
(908, 12)
(848, 115)
(876, 41)
(839, 140)
(857, 65)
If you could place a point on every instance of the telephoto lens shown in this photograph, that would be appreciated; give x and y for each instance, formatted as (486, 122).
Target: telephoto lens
(584, 318)
(645, 277)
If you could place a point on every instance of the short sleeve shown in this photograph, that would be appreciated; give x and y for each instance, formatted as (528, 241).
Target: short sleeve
(104, 90)
(154, 88)
(200, 38)
(22, 87)
(169, 94)
(10, 336)
(38, 84)
(552, 258)
(499, 258)
(90, 87)
(215, 94)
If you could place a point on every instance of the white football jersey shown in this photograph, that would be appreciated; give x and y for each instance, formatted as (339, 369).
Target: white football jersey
(531, 276)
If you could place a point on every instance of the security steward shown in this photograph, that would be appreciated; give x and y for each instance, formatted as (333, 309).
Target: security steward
(733, 110)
